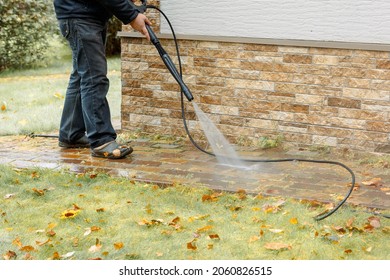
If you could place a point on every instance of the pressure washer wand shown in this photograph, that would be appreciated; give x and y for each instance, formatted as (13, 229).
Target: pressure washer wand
(169, 63)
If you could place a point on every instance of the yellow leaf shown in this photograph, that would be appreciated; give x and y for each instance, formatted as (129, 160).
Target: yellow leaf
(205, 228)
(3, 106)
(27, 248)
(51, 225)
(69, 214)
(293, 221)
(17, 242)
(56, 256)
(95, 228)
(58, 95)
(118, 245)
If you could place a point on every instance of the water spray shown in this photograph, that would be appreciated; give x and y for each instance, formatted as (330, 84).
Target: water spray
(177, 74)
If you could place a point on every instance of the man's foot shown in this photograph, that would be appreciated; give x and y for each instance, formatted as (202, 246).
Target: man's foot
(80, 143)
(112, 150)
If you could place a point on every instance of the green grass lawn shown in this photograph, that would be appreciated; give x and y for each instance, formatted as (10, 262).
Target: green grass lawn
(59, 215)
(31, 100)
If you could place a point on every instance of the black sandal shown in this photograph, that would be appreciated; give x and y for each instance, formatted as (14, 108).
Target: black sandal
(112, 150)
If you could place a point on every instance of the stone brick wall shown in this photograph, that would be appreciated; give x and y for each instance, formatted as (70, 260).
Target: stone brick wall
(311, 96)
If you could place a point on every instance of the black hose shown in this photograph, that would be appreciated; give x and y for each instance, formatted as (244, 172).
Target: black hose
(318, 217)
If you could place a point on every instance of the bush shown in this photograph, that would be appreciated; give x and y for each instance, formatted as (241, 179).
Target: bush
(113, 46)
(24, 28)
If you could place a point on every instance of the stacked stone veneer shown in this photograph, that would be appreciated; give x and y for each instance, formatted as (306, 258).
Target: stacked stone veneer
(310, 96)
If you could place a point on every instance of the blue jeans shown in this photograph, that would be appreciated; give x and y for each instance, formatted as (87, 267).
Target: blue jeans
(86, 108)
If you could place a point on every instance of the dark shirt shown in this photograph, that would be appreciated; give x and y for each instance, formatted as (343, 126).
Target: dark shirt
(102, 10)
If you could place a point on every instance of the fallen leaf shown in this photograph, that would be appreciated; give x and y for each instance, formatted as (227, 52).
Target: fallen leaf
(254, 238)
(293, 221)
(56, 256)
(58, 95)
(205, 228)
(10, 255)
(214, 236)
(175, 220)
(50, 233)
(100, 210)
(348, 251)
(277, 246)
(3, 106)
(375, 221)
(235, 208)
(51, 225)
(118, 245)
(27, 256)
(69, 214)
(375, 182)
(340, 229)
(76, 207)
(213, 197)
(38, 192)
(241, 194)
(95, 248)
(159, 254)
(41, 243)
(369, 249)
(275, 230)
(27, 248)
(191, 245)
(95, 228)
(356, 186)
(87, 232)
(17, 242)
(68, 255)
(350, 222)
(8, 196)
(200, 217)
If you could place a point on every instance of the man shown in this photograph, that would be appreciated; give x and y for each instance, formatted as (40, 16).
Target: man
(86, 119)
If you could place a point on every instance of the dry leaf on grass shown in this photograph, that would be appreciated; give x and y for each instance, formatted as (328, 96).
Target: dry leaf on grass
(277, 246)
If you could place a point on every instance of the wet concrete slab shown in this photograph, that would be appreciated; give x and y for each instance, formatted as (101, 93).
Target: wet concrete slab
(164, 164)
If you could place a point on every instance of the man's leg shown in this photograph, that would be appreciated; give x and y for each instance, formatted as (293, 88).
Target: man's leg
(72, 126)
(91, 66)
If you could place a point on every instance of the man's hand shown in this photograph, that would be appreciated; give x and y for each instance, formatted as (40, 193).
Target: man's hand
(139, 24)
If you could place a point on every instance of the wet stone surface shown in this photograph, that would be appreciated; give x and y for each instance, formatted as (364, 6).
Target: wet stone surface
(168, 164)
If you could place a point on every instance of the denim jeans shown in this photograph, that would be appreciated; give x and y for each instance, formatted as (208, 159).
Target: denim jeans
(86, 109)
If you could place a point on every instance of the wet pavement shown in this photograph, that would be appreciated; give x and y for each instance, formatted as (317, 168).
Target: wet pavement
(164, 163)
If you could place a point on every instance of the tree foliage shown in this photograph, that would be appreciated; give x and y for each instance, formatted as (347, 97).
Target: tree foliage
(24, 28)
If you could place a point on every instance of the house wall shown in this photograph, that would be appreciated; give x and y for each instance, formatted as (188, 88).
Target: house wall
(312, 96)
(324, 20)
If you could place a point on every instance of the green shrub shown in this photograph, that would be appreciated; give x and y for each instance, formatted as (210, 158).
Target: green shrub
(113, 46)
(24, 28)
